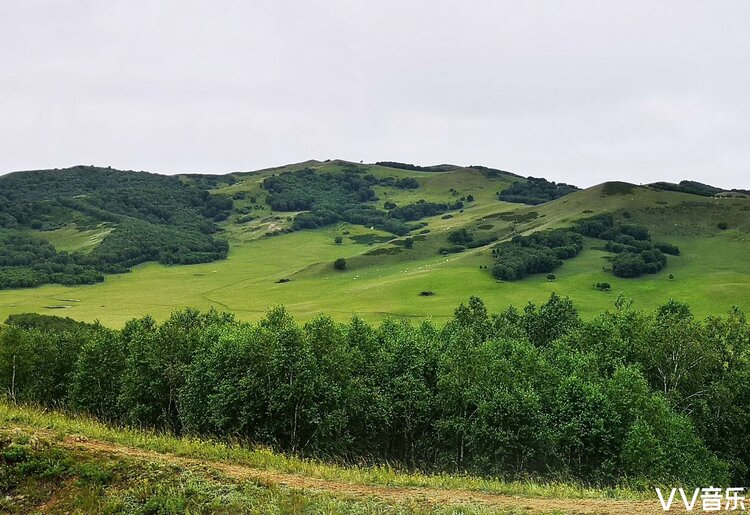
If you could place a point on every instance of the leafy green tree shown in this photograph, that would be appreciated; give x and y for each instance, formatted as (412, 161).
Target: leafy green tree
(460, 237)
(628, 265)
(549, 321)
(36, 365)
(409, 389)
(97, 379)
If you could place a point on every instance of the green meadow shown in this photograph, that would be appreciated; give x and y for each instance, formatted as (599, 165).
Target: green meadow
(384, 278)
(245, 283)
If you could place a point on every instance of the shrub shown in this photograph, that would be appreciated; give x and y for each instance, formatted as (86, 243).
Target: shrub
(668, 248)
(452, 250)
(340, 264)
(481, 242)
(460, 237)
(628, 265)
(535, 191)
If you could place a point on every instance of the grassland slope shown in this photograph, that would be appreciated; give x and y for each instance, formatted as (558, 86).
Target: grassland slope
(52, 463)
(268, 263)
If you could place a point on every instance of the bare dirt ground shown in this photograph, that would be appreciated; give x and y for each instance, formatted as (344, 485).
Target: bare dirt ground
(397, 495)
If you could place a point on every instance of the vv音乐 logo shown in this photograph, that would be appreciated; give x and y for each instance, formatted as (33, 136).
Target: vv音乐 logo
(706, 499)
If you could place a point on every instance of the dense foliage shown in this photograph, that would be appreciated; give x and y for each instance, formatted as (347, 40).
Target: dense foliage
(153, 218)
(535, 191)
(328, 198)
(626, 396)
(404, 183)
(492, 172)
(635, 253)
(540, 252)
(26, 261)
(692, 187)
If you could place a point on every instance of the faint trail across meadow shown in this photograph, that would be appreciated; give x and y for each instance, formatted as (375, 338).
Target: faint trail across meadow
(397, 495)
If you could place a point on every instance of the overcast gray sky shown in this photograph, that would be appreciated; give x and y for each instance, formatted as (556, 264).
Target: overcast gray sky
(575, 91)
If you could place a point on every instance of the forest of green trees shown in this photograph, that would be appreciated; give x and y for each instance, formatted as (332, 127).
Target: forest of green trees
(629, 397)
(328, 198)
(153, 218)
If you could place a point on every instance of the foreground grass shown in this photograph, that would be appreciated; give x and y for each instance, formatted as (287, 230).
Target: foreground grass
(38, 475)
(61, 424)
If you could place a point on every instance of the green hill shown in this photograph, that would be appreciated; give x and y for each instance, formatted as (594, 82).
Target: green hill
(269, 237)
(101, 221)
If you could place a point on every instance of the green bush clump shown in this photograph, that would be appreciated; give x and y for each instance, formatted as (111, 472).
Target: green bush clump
(540, 252)
(535, 191)
(636, 254)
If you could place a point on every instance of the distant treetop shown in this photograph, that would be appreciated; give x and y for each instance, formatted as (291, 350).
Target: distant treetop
(535, 191)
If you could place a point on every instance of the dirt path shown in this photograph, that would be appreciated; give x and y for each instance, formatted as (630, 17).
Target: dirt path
(400, 495)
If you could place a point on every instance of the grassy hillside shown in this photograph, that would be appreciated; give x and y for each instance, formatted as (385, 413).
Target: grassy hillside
(52, 463)
(384, 278)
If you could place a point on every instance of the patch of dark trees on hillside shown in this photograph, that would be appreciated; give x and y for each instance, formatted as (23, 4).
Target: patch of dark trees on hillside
(544, 251)
(635, 253)
(152, 218)
(535, 191)
(329, 198)
(462, 239)
(493, 172)
(692, 187)
(537, 253)
(489, 172)
(695, 188)
(210, 181)
(416, 168)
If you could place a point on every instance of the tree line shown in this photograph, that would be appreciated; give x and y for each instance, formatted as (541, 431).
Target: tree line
(628, 397)
(534, 191)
